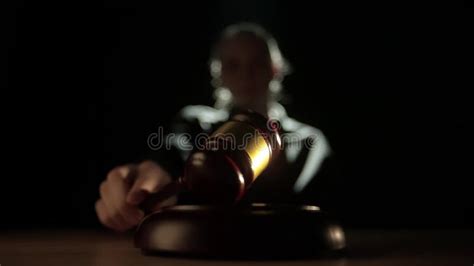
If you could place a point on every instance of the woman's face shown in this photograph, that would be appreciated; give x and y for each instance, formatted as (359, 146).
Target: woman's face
(246, 70)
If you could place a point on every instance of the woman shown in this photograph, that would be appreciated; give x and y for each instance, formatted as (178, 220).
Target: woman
(247, 69)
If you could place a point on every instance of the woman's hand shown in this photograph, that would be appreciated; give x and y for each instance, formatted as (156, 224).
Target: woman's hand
(125, 188)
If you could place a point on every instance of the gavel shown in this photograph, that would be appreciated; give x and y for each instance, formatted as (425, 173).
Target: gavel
(222, 169)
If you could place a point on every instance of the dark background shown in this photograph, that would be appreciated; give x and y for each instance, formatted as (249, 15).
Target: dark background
(384, 87)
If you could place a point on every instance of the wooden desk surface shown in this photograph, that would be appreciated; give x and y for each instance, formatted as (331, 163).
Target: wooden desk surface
(367, 247)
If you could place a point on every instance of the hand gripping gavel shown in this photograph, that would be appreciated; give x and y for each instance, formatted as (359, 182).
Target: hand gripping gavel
(230, 160)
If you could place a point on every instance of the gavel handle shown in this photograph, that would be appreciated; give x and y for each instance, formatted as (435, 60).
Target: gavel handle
(166, 192)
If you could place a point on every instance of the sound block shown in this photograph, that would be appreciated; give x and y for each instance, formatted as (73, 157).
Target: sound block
(252, 231)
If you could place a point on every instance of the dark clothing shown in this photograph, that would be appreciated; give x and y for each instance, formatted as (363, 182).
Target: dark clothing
(301, 174)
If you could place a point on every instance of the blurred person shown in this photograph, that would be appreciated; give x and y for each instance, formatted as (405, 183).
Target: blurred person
(247, 70)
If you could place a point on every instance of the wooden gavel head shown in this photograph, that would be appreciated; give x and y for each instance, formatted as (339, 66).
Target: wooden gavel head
(223, 168)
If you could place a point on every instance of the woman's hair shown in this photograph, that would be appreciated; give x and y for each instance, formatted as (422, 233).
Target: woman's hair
(280, 65)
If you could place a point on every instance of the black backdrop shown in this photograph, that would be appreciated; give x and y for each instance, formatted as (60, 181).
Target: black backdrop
(369, 81)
